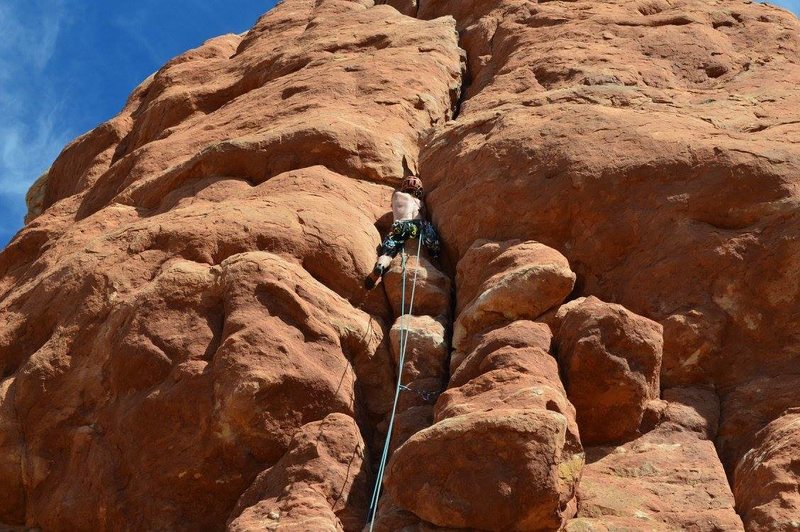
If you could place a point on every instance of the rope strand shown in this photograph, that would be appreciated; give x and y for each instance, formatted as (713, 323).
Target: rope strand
(376, 493)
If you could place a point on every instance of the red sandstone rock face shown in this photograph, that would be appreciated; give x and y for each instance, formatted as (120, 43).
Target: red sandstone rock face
(313, 485)
(665, 480)
(611, 360)
(505, 424)
(669, 479)
(432, 295)
(767, 476)
(407, 7)
(679, 193)
(526, 486)
(191, 297)
(426, 347)
(651, 143)
(184, 314)
(502, 282)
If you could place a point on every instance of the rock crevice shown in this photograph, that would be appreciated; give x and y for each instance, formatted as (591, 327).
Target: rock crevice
(616, 187)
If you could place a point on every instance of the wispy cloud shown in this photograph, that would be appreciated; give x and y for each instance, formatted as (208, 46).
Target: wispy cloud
(30, 34)
(28, 148)
(30, 137)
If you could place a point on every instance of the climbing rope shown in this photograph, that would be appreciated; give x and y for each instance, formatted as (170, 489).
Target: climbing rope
(376, 493)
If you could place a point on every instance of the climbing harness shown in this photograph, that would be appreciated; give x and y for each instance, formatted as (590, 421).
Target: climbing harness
(376, 493)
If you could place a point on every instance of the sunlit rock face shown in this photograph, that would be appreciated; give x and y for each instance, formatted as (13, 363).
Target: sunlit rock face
(185, 338)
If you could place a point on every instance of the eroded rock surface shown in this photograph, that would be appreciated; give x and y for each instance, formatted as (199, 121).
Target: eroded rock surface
(767, 486)
(426, 347)
(611, 359)
(504, 423)
(433, 288)
(184, 309)
(668, 479)
(653, 144)
(499, 282)
(514, 461)
(188, 294)
(313, 486)
(423, 341)
(665, 480)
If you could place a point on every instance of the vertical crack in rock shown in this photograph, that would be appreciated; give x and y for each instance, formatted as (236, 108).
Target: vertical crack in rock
(598, 172)
(504, 422)
(248, 173)
(593, 133)
(462, 96)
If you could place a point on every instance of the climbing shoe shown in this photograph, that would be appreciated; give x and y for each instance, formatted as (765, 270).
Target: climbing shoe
(372, 279)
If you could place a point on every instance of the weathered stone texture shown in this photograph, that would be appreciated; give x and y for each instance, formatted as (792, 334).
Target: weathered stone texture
(616, 184)
(187, 296)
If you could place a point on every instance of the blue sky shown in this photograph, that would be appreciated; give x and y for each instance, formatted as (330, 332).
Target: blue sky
(791, 5)
(68, 65)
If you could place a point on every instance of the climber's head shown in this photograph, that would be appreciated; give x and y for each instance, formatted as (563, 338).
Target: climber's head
(413, 185)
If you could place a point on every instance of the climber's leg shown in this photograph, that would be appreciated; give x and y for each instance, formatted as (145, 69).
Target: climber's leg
(391, 246)
(431, 239)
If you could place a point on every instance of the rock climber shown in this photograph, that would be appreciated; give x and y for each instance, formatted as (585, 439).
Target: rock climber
(409, 222)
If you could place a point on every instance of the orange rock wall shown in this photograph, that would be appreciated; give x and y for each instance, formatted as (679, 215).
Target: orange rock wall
(186, 343)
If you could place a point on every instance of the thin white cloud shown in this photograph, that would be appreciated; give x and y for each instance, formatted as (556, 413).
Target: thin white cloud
(29, 135)
(30, 40)
(27, 150)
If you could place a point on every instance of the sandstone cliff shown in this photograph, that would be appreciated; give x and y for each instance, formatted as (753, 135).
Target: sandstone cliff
(610, 343)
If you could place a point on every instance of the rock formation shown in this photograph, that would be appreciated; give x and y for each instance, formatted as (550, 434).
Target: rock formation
(609, 343)
(594, 339)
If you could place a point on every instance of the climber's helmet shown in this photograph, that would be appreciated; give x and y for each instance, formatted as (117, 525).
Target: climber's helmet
(413, 185)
